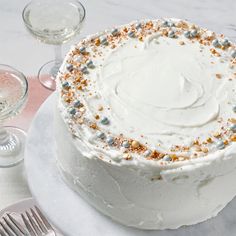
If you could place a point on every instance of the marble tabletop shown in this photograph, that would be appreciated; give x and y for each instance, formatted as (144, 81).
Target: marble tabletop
(19, 49)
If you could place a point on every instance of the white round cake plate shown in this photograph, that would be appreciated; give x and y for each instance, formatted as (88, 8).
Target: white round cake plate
(19, 207)
(70, 213)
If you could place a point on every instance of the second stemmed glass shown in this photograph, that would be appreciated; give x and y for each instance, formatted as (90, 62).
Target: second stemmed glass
(53, 22)
(13, 95)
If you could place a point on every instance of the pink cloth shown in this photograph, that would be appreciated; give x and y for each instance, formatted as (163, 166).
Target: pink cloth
(37, 94)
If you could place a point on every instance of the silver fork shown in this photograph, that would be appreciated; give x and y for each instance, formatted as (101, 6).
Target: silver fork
(37, 224)
(11, 227)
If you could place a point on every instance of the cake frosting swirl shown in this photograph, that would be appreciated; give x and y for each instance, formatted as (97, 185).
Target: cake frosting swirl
(156, 96)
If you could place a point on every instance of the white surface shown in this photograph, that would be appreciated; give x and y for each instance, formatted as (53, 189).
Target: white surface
(19, 49)
(74, 216)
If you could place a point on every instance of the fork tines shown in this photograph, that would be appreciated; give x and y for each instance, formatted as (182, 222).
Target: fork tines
(10, 227)
(36, 223)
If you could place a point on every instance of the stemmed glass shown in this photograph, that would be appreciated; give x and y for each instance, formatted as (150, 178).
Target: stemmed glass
(13, 95)
(53, 22)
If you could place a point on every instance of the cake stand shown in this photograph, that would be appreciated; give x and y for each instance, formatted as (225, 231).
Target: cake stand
(69, 212)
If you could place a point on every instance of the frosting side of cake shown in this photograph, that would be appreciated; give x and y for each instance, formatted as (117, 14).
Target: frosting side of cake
(147, 197)
(146, 122)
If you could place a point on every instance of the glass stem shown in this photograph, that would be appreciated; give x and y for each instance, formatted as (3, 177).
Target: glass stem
(4, 135)
(58, 60)
(58, 54)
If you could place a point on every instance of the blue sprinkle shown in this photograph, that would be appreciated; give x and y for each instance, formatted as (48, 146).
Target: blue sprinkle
(234, 108)
(110, 140)
(72, 111)
(220, 144)
(233, 54)
(126, 144)
(225, 42)
(194, 33)
(70, 68)
(105, 121)
(84, 70)
(131, 34)
(215, 43)
(167, 158)
(138, 26)
(171, 34)
(90, 64)
(233, 127)
(66, 85)
(165, 23)
(103, 40)
(82, 49)
(100, 134)
(114, 32)
(187, 34)
(171, 24)
(147, 153)
(77, 103)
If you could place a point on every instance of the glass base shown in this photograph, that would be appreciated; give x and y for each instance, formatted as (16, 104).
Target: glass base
(47, 74)
(12, 149)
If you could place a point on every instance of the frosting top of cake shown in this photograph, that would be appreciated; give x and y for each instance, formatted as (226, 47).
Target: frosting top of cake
(154, 90)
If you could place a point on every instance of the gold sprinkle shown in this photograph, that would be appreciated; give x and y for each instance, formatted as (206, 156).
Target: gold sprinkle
(217, 135)
(218, 76)
(93, 126)
(205, 150)
(233, 138)
(135, 144)
(226, 142)
(97, 117)
(232, 120)
(181, 42)
(100, 108)
(127, 156)
(209, 140)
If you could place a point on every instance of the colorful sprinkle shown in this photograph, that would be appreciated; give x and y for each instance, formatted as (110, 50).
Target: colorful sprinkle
(166, 158)
(84, 70)
(125, 144)
(187, 34)
(225, 42)
(194, 33)
(233, 127)
(234, 108)
(82, 49)
(165, 23)
(147, 153)
(103, 40)
(77, 103)
(72, 111)
(110, 140)
(135, 144)
(215, 43)
(171, 24)
(100, 134)
(138, 26)
(131, 34)
(66, 85)
(233, 54)
(70, 67)
(220, 144)
(90, 64)
(171, 34)
(114, 32)
(105, 121)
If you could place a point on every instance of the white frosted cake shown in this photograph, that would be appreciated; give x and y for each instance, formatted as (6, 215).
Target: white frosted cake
(146, 123)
